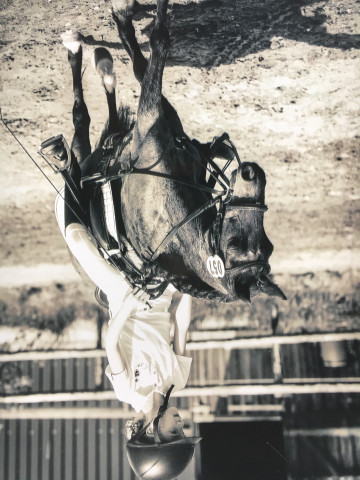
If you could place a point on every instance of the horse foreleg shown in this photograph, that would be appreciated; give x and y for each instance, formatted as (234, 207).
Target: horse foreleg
(122, 11)
(122, 15)
(103, 63)
(81, 141)
(150, 104)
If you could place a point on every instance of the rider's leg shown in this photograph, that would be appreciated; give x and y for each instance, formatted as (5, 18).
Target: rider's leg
(122, 15)
(75, 209)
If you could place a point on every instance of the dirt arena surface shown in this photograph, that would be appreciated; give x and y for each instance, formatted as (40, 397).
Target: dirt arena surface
(281, 77)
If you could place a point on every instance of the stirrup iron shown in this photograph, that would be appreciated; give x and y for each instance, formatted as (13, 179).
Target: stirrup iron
(52, 151)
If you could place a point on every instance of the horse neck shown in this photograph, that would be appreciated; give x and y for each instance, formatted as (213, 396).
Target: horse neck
(193, 237)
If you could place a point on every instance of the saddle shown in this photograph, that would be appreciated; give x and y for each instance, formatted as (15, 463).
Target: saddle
(102, 182)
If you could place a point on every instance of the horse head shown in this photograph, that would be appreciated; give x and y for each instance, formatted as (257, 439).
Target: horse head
(244, 245)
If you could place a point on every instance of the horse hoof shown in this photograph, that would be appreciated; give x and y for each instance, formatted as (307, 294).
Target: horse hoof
(125, 8)
(71, 40)
(103, 63)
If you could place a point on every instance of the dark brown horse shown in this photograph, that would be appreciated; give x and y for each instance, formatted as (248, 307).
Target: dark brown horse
(178, 214)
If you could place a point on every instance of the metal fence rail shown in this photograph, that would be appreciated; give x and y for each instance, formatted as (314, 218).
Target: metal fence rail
(45, 449)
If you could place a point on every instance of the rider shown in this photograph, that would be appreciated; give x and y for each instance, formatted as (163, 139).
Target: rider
(143, 366)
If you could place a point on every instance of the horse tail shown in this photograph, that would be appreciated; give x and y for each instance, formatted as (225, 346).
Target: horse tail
(126, 121)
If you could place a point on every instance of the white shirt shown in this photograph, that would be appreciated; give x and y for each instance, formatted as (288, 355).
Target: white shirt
(144, 343)
(150, 363)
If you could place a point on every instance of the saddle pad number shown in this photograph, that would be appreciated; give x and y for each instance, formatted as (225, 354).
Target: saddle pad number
(215, 266)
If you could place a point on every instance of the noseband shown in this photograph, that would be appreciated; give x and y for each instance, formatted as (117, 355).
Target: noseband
(265, 268)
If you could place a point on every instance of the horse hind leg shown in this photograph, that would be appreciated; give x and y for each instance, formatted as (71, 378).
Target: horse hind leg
(81, 140)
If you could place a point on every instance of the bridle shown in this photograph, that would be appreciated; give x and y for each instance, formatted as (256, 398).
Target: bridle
(222, 199)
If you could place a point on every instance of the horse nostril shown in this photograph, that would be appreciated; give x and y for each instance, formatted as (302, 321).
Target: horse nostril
(248, 173)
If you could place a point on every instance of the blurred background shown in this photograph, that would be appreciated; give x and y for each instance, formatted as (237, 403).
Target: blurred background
(274, 387)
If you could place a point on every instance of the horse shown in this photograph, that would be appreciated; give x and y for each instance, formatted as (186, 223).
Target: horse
(180, 218)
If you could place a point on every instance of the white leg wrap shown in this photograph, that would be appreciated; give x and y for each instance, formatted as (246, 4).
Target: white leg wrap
(71, 40)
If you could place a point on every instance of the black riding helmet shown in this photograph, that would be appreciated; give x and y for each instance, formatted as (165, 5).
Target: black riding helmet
(160, 461)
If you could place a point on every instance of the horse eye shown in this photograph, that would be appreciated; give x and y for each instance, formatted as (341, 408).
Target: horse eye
(238, 243)
(233, 242)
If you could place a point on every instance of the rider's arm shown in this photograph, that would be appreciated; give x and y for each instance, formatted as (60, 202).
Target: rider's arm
(116, 324)
(181, 316)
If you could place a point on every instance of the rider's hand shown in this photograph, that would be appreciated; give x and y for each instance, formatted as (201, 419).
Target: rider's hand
(130, 303)
(140, 295)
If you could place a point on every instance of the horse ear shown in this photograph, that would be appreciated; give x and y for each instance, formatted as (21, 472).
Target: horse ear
(266, 286)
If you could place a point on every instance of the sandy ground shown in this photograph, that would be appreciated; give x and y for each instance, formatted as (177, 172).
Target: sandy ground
(281, 77)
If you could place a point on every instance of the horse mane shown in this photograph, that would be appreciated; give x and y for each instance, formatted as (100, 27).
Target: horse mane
(126, 121)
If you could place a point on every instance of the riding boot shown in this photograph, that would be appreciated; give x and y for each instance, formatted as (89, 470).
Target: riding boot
(75, 205)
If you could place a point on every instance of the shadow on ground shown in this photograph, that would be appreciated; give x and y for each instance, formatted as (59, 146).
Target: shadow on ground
(212, 32)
